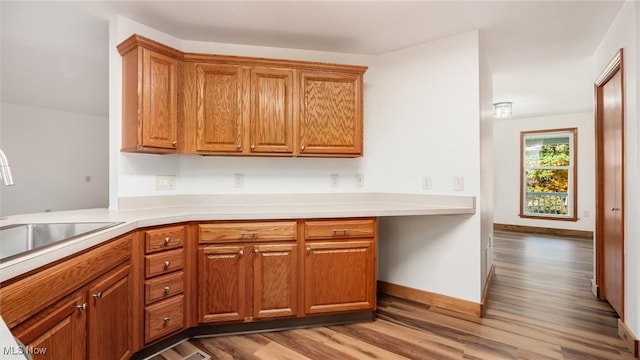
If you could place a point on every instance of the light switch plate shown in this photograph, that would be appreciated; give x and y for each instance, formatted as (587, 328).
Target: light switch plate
(359, 180)
(426, 182)
(238, 180)
(335, 180)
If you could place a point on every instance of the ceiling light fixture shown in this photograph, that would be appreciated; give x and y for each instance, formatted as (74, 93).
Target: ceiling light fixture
(502, 109)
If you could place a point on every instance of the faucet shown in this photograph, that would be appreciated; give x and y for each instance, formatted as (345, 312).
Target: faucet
(5, 170)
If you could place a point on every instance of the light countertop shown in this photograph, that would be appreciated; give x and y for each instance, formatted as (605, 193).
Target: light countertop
(141, 212)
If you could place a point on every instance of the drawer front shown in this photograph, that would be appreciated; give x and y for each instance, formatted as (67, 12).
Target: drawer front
(339, 229)
(164, 239)
(163, 318)
(163, 287)
(163, 262)
(251, 231)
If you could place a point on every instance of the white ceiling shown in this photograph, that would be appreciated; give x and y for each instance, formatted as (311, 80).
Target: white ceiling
(54, 54)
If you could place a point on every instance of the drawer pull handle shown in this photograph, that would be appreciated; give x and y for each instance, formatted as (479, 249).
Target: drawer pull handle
(166, 320)
(167, 264)
(167, 240)
(82, 307)
(343, 231)
(249, 233)
(167, 289)
(97, 296)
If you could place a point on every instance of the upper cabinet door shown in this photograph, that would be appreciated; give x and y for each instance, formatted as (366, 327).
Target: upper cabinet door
(271, 110)
(219, 108)
(330, 114)
(159, 101)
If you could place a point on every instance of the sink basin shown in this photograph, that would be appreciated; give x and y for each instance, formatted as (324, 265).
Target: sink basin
(20, 239)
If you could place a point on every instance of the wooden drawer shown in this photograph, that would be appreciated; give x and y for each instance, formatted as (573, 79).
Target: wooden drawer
(249, 231)
(339, 229)
(163, 287)
(163, 239)
(163, 318)
(163, 262)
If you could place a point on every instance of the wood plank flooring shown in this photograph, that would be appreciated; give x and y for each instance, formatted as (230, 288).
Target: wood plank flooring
(540, 307)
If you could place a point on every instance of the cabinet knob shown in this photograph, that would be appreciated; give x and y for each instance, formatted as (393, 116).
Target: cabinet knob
(166, 320)
(240, 252)
(302, 148)
(256, 251)
(97, 296)
(308, 250)
(175, 144)
(167, 289)
(239, 147)
(253, 146)
(82, 307)
(167, 240)
(167, 264)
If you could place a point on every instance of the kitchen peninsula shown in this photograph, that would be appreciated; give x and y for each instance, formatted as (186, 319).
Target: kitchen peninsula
(168, 253)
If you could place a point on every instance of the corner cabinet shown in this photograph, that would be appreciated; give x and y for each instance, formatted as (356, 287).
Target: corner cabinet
(149, 96)
(230, 105)
(80, 308)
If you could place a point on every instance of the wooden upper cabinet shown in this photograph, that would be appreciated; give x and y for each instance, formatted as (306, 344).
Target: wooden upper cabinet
(232, 105)
(149, 96)
(271, 111)
(330, 114)
(219, 108)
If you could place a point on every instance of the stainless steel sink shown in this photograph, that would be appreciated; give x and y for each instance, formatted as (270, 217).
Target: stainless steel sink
(20, 239)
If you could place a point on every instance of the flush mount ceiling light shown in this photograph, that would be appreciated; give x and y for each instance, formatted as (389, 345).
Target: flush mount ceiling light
(502, 109)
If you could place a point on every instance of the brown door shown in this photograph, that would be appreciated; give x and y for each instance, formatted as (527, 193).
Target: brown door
(610, 185)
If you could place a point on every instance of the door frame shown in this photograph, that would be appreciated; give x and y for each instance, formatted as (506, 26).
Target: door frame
(614, 66)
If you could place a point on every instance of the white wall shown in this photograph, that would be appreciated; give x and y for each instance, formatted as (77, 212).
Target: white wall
(507, 169)
(426, 121)
(624, 33)
(421, 118)
(487, 166)
(50, 153)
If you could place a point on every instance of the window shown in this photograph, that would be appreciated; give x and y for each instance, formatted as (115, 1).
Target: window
(548, 188)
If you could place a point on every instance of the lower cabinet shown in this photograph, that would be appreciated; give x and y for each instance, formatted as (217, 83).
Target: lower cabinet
(339, 276)
(231, 275)
(59, 332)
(93, 323)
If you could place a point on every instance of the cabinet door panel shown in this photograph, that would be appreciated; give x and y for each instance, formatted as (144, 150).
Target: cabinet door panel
(110, 320)
(58, 332)
(160, 101)
(222, 283)
(330, 113)
(271, 110)
(339, 276)
(275, 280)
(219, 108)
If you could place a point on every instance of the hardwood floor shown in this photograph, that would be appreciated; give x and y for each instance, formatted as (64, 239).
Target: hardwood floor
(540, 307)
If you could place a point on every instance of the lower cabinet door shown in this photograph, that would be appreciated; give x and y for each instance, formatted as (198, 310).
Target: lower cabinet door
(56, 333)
(110, 320)
(275, 280)
(339, 276)
(221, 283)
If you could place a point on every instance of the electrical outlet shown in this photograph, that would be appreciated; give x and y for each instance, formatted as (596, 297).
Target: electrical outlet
(335, 180)
(426, 182)
(359, 180)
(458, 183)
(238, 180)
(165, 182)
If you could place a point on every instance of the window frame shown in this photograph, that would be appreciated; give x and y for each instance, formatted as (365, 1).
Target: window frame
(572, 190)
